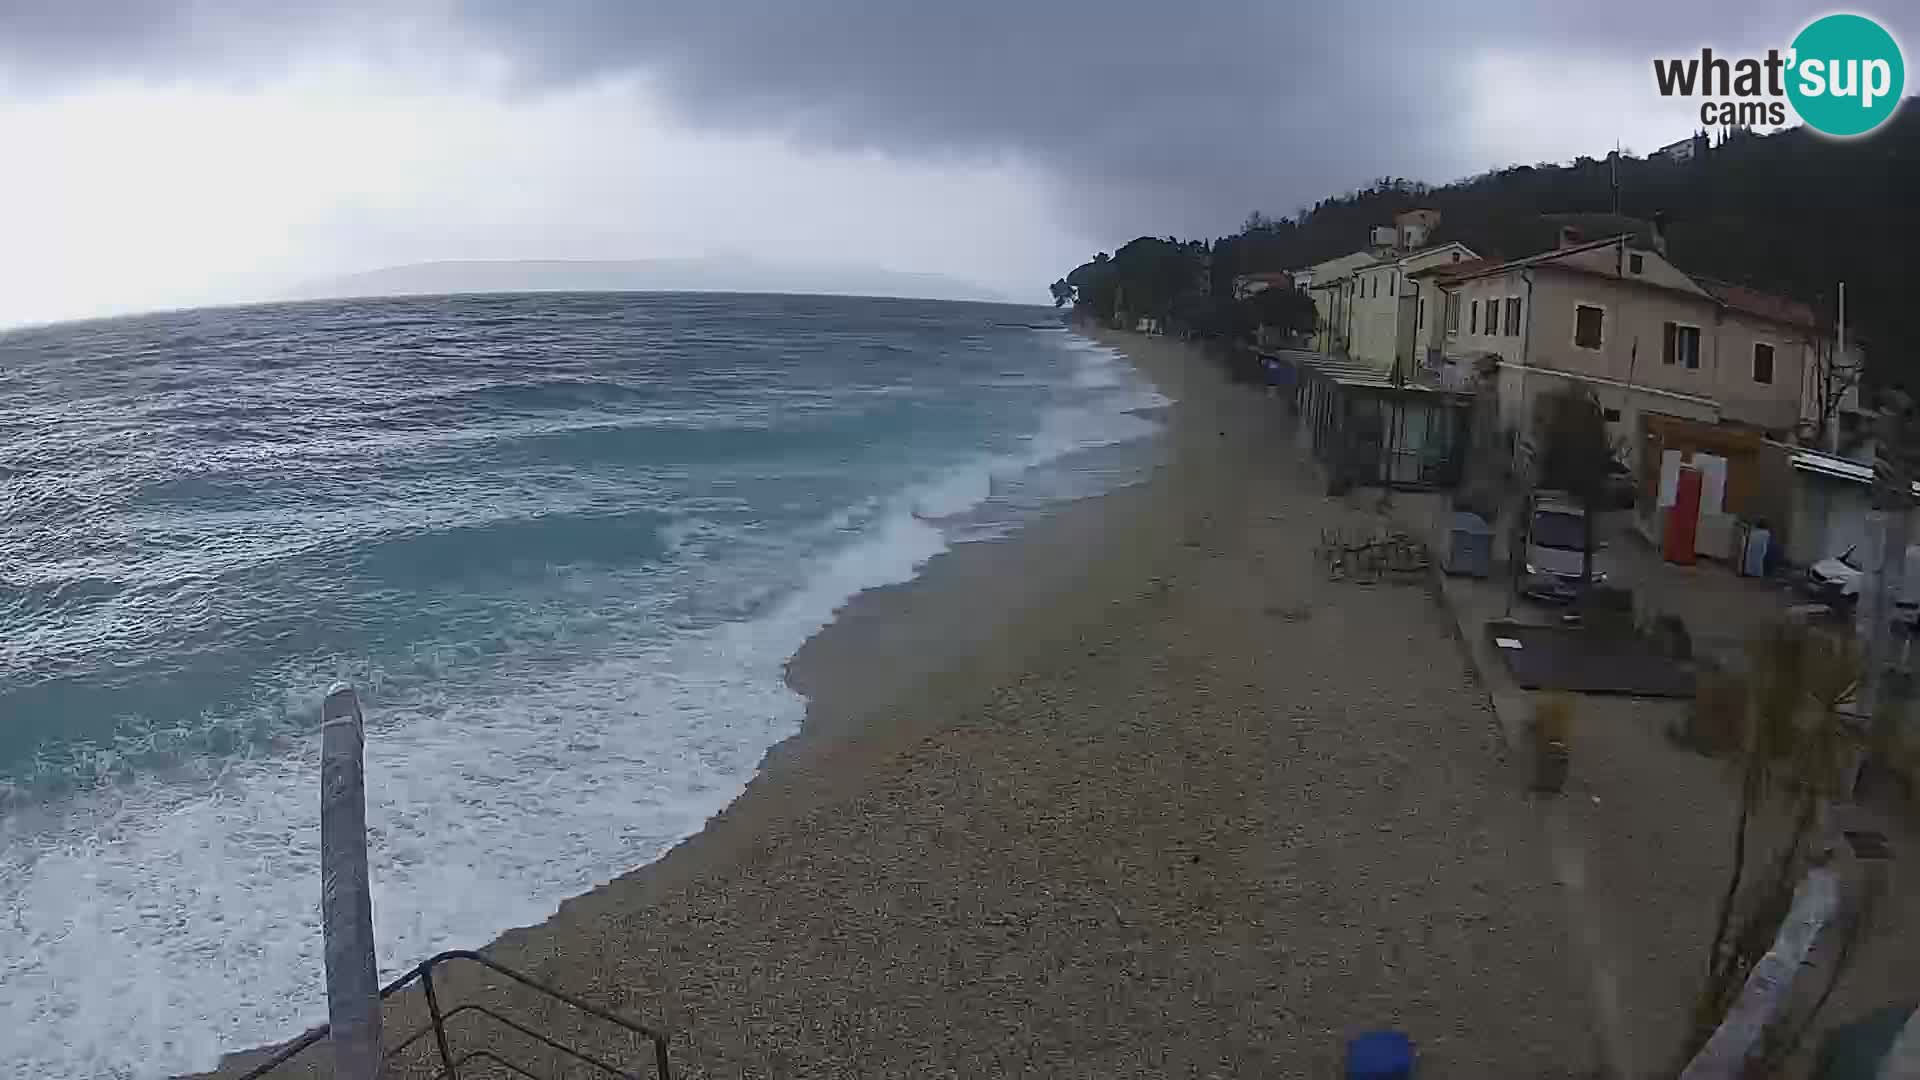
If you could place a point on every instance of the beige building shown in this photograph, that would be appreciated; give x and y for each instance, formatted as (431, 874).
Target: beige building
(1322, 281)
(1387, 309)
(1356, 297)
(1645, 336)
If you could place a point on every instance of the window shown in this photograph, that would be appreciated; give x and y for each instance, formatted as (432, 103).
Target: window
(1762, 363)
(1589, 326)
(1513, 316)
(1453, 313)
(1473, 318)
(1611, 416)
(1456, 256)
(1680, 345)
(1390, 278)
(1420, 315)
(1636, 264)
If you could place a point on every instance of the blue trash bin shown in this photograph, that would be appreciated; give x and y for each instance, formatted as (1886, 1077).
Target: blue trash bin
(1380, 1055)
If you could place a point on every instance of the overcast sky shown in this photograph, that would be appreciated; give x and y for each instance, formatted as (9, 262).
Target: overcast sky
(168, 152)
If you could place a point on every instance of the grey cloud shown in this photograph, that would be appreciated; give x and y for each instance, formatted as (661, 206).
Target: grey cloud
(54, 45)
(1153, 116)
(1148, 116)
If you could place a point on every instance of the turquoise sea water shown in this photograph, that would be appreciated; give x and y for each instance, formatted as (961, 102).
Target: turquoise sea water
(564, 543)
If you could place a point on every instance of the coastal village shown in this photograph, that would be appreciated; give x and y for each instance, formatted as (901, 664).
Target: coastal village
(552, 542)
(1648, 624)
(1458, 695)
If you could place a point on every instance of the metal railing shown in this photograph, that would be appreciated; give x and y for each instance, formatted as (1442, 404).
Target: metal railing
(452, 1062)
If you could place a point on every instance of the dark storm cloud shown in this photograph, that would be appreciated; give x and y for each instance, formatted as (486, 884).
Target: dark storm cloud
(1148, 115)
(1152, 115)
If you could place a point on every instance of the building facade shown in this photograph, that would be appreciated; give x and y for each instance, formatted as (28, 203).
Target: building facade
(1643, 335)
(1389, 306)
(1321, 281)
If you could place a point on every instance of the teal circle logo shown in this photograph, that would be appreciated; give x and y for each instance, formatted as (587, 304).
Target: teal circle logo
(1846, 75)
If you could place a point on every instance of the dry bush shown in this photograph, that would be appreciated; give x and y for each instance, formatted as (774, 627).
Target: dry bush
(1717, 719)
(1553, 719)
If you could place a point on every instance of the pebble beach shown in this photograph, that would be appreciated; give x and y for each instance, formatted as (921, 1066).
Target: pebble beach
(1135, 792)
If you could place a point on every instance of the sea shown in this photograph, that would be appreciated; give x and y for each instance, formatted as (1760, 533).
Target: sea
(562, 544)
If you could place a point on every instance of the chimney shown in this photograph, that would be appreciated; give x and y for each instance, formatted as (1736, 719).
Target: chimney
(1660, 232)
(1570, 236)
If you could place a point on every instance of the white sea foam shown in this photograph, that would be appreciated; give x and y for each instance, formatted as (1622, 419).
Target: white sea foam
(148, 928)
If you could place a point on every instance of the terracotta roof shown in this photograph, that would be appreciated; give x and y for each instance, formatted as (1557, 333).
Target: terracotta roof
(1267, 275)
(1762, 305)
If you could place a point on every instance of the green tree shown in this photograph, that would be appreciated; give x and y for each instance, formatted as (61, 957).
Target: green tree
(1739, 213)
(1284, 311)
(1062, 293)
(1096, 285)
(1212, 316)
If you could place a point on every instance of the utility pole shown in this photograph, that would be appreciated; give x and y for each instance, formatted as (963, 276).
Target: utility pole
(1889, 533)
(1613, 176)
(1839, 357)
(346, 906)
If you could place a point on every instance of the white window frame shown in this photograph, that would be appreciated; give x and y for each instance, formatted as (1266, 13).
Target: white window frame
(1574, 337)
(1453, 306)
(1699, 339)
(1753, 355)
(1419, 313)
(1519, 315)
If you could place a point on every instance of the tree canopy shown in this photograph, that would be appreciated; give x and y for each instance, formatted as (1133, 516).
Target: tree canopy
(1791, 213)
(1169, 279)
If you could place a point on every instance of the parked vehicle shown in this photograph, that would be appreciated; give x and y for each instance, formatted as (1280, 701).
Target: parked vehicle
(1836, 582)
(1556, 548)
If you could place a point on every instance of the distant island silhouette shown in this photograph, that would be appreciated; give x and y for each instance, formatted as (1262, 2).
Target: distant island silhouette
(717, 274)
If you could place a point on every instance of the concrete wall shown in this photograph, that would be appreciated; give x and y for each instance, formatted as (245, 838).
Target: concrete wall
(1476, 298)
(1778, 404)
(1373, 314)
(1618, 261)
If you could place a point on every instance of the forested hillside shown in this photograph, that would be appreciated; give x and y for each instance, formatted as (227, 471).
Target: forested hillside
(1793, 213)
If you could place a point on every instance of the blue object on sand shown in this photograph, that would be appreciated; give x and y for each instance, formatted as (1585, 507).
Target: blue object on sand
(1380, 1055)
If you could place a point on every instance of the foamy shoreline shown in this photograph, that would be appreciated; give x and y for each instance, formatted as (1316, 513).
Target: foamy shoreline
(915, 583)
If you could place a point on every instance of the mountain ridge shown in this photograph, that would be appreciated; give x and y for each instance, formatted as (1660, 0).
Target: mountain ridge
(709, 274)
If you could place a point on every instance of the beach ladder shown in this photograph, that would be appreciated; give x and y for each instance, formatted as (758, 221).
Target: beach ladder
(489, 1042)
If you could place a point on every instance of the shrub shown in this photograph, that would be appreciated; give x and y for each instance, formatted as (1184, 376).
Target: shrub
(1553, 719)
(1717, 719)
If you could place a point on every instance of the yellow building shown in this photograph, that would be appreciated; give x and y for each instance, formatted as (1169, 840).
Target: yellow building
(1386, 308)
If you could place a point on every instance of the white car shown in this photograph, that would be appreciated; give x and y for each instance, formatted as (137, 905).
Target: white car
(1556, 549)
(1836, 582)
